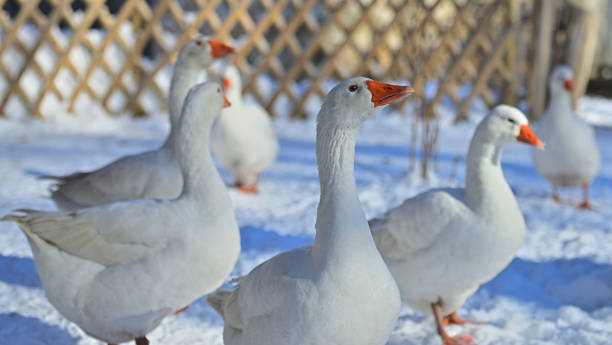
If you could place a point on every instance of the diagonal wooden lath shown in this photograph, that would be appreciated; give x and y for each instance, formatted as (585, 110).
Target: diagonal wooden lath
(300, 59)
(46, 35)
(98, 56)
(331, 61)
(90, 16)
(187, 34)
(137, 49)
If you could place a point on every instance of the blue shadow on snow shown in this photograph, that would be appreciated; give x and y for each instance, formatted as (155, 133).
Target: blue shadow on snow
(18, 271)
(257, 239)
(19, 329)
(579, 282)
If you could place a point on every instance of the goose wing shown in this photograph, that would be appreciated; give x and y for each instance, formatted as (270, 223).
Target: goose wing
(109, 235)
(418, 222)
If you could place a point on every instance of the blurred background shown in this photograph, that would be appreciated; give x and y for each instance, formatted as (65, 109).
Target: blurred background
(58, 55)
(85, 82)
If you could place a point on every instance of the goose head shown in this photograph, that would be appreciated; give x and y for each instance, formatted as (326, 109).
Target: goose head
(561, 80)
(203, 105)
(353, 101)
(232, 83)
(200, 52)
(506, 125)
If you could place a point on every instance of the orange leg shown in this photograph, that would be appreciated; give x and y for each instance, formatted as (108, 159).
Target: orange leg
(446, 339)
(181, 310)
(454, 319)
(585, 204)
(250, 189)
(556, 197)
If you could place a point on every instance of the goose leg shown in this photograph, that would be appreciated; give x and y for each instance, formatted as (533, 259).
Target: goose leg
(555, 194)
(142, 341)
(454, 319)
(556, 197)
(585, 204)
(248, 189)
(446, 339)
(181, 310)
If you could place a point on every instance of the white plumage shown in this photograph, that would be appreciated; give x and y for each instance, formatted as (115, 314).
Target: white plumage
(244, 139)
(148, 175)
(117, 270)
(338, 291)
(572, 157)
(441, 245)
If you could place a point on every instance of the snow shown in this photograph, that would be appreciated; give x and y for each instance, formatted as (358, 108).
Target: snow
(596, 111)
(557, 291)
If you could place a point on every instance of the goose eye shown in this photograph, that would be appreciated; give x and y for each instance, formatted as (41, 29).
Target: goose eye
(512, 121)
(353, 88)
(218, 90)
(199, 42)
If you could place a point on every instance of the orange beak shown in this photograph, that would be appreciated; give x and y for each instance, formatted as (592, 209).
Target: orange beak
(226, 102)
(569, 85)
(383, 94)
(528, 137)
(227, 83)
(220, 50)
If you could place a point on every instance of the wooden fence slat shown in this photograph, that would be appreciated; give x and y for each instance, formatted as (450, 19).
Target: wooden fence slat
(279, 43)
(447, 41)
(44, 37)
(467, 51)
(306, 57)
(396, 61)
(136, 50)
(90, 16)
(202, 15)
(485, 71)
(326, 70)
(539, 76)
(98, 57)
(19, 21)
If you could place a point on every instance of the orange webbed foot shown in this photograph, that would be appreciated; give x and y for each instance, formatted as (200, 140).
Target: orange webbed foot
(586, 206)
(459, 340)
(248, 190)
(558, 199)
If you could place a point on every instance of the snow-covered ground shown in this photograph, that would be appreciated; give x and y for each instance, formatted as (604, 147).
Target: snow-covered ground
(557, 291)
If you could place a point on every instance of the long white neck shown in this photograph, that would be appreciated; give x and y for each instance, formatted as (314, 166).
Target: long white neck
(342, 229)
(201, 180)
(234, 94)
(486, 191)
(183, 79)
(560, 106)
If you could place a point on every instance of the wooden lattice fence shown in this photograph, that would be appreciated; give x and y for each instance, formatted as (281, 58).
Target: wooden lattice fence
(291, 51)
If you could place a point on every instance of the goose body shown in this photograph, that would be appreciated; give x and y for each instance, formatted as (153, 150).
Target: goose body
(243, 139)
(441, 245)
(115, 270)
(338, 291)
(572, 158)
(149, 175)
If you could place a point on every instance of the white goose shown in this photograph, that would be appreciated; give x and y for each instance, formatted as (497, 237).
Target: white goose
(244, 139)
(115, 270)
(442, 244)
(148, 175)
(338, 291)
(572, 160)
